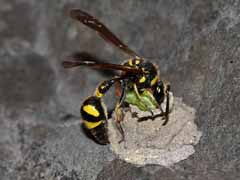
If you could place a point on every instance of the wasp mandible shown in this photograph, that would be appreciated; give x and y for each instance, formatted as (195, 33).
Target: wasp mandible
(137, 84)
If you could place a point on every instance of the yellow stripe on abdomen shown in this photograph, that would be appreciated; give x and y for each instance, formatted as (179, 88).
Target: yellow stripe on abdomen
(91, 110)
(91, 125)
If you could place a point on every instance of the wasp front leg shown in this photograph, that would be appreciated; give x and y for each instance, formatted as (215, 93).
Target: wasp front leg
(161, 92)
(169, 102)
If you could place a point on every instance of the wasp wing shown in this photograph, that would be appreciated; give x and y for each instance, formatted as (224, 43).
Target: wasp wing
(73, 62)
(101, 29)
(91, 57)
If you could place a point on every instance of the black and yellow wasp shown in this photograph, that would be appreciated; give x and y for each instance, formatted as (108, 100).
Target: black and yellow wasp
(138, 83)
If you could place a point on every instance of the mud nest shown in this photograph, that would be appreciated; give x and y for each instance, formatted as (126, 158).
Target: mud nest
(147, 141)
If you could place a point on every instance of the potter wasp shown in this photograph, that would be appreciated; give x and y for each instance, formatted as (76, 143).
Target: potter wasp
(138, 83)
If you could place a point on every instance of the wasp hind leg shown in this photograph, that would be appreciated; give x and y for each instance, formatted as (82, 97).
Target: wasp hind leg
(94, 112)
(118, 111)
(103, 88)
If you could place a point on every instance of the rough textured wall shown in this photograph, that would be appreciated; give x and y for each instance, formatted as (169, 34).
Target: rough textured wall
(195, 43)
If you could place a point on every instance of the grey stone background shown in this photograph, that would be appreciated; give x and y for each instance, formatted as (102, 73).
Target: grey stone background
(195, 43)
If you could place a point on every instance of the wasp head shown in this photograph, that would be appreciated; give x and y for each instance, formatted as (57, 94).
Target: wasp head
(159, 92)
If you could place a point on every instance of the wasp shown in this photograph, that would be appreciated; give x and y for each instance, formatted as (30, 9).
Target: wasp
(138, 83)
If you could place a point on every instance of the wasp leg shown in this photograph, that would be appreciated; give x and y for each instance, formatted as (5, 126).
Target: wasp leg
(139, 98)
(118, 112)
(102, 89)
(166, 114)
(162, 112)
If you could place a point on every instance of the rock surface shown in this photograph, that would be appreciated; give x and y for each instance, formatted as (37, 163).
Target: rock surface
(196, 45)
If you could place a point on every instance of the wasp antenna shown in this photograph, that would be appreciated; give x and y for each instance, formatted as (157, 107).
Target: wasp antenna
(78, 14)
(69, 64)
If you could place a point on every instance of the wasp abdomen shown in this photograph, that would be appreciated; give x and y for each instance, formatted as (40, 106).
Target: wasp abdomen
(94, 117)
